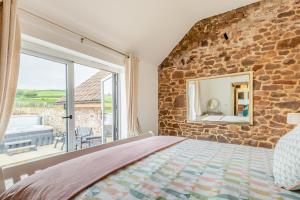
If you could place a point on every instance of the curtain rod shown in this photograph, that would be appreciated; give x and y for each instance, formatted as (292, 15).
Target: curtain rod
(73, 32)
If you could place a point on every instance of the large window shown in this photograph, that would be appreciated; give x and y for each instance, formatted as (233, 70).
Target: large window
(93, 106)
(60, 106)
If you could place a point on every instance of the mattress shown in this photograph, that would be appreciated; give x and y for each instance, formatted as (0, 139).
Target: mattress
(194, 169)
(221, 118)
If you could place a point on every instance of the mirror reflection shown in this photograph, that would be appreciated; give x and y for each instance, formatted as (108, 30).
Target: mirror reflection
(224, 99)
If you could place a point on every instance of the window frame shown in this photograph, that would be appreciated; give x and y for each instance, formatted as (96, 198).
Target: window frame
(29, 49)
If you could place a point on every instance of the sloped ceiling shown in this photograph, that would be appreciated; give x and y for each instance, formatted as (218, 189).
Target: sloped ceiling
(147, 28)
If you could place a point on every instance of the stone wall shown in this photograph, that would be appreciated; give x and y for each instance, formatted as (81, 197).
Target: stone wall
(264, 37)
(52, 116)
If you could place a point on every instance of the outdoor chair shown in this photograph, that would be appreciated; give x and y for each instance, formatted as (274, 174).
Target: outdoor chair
(84, 135)
(61, 137)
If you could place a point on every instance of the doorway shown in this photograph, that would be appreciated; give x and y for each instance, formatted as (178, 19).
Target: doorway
(60, 106)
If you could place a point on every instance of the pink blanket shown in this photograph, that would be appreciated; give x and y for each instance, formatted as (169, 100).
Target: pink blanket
(65, 180)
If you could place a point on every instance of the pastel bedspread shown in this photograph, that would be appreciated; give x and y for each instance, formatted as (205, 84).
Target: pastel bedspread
(194, 169)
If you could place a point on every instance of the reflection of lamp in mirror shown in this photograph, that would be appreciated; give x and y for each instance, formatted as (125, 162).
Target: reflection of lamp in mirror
(213, 106)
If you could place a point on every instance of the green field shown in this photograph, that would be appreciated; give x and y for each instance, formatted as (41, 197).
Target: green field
(48, 98)
(27, 98)
(107, 104)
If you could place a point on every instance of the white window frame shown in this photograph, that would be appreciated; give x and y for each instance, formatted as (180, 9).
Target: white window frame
(51, 54)
(70, 123)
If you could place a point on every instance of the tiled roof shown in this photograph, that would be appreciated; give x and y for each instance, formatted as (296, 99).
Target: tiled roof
(90, 90)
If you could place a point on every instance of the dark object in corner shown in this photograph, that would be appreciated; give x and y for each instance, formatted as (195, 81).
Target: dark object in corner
(226, 36)
(204, 43)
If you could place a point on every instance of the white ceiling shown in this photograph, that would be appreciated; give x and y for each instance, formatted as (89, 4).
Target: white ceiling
(147, 28)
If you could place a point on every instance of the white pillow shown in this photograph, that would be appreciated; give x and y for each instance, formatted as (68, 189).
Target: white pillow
(286, 165)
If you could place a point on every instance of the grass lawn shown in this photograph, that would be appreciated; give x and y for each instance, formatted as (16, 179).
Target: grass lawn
(28, 98)
(107, 104)
(36, 98)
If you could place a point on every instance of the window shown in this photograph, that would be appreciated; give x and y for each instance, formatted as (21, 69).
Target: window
(60, 106)
(93, 106)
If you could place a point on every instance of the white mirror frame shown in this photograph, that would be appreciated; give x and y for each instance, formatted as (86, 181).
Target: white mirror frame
(249, 73)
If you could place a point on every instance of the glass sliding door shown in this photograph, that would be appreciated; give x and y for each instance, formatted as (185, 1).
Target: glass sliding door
(60, 106)
(110, 122)
(92, 107)
(36, 128)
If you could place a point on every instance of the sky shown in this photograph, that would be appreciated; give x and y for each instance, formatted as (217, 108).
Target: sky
(41, 74)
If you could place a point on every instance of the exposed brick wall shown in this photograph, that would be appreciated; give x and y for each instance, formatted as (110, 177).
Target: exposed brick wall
(263, 37)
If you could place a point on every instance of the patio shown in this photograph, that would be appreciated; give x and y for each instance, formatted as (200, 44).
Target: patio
(41, 152)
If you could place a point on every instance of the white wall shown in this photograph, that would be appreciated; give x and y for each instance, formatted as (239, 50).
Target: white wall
(148, 97)
(219, 89)
(148, 81)
(44, 31)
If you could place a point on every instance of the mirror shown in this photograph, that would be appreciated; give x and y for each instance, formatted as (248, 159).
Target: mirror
(221, 99)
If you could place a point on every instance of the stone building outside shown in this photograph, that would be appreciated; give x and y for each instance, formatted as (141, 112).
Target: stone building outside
(87, 107)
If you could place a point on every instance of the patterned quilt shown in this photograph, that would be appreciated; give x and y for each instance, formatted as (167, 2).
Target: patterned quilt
(193, 170)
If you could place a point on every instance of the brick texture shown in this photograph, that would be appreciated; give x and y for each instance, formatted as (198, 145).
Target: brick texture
(264, 37)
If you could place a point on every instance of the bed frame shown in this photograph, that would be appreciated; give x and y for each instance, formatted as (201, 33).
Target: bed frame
(20, 171)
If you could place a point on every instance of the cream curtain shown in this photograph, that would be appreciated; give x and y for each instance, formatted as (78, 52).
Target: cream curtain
(131, 76)
(197, 103)
(10, 42)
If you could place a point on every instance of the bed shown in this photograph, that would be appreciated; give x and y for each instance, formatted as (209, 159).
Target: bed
(222, 118)
(191, 169)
